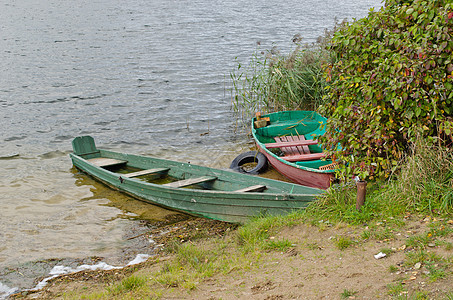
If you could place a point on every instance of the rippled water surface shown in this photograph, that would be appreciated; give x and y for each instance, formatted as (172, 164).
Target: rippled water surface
(147, 77)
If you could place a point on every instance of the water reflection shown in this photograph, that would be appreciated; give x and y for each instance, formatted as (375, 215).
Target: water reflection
(130, 207)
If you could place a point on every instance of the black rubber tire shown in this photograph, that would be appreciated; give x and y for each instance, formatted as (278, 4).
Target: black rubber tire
(249, 157)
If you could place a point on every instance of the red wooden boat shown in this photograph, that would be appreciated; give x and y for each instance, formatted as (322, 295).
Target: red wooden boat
(288, 140)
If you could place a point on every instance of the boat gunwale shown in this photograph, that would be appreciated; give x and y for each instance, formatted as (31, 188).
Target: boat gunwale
(178, 190)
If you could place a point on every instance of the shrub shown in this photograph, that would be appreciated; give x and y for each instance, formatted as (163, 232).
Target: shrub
(392, 81)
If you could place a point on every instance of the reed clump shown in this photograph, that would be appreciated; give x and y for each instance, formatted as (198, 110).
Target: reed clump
(274, 82)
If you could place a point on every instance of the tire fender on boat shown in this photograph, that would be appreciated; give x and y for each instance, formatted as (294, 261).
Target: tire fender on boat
(250, 157)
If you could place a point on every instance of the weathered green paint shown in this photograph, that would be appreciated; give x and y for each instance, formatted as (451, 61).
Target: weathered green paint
(217, 199)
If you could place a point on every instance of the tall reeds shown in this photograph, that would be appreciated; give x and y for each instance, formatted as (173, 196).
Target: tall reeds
(273, 82)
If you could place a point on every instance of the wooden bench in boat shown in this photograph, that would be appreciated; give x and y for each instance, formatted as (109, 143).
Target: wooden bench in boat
(190, 181)
(291, 144)
(304, 157)
(296, 148)
(253, 188)
(106, 162)
(145, 172)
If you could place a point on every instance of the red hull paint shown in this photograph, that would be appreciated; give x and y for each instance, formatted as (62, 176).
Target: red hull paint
(300, 176)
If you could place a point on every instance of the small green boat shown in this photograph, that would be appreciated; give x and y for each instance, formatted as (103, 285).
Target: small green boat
(196, 190)
(288, 140)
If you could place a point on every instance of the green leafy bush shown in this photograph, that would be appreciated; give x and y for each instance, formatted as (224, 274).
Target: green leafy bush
(392, 82)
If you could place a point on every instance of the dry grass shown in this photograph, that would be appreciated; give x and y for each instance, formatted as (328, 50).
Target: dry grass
(426, 180)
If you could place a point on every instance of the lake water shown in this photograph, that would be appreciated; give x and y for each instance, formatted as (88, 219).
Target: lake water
(141, 76)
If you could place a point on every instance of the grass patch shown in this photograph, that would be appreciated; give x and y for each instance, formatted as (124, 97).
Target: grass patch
(419, 241)
(382, 233)
(342, 242)
(448, 245)
(440, 229)
(347, 293)
(423, 186)
(386, 251)
(128, 284)
(258, 233)
(395, 289)
(279, 245)
(423, 257)
(313, 246)
(436, 272)
(393, 269)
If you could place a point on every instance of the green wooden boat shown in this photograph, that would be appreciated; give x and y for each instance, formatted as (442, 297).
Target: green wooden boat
(288, 140)
(201, 191)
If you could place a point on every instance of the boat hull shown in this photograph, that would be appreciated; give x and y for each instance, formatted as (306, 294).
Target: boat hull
(299, 175)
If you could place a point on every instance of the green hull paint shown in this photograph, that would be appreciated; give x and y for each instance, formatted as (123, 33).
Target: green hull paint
(214, 199)
(295, 123)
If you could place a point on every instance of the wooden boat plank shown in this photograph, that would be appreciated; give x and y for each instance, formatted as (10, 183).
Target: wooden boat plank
(288, 151)
(303, 149)
(253, 188)
(292, 150)
(303, 157)
(291, 144)
(105, 162)
(145, 172)
(190, 181)
(295, 150)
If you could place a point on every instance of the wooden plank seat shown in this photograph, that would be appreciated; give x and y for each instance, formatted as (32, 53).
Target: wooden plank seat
(304, 157)
(145, 172)
(291, 144)
(106, 162)
(190, 181)
(253, 188)
(296, 148)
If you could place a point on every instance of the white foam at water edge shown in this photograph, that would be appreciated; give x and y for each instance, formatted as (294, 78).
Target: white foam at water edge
(5, 291)
(138, 259)
(61, 270)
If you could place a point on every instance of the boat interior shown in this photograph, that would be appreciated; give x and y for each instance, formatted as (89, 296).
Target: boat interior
(151, 170)
(295, 141)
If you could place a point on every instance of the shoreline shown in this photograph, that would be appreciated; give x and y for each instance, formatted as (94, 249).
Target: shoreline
(176, 227)
(314, 267)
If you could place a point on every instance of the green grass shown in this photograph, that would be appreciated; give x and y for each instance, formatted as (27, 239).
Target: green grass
(258, 233)
(436, 272)
(393, 269)
(424, 186)
(395, 289)
(449, 296)
(342, 242)
(278, 245)
(127, 285)
(386, 251)
(419, 241)
(347, 293)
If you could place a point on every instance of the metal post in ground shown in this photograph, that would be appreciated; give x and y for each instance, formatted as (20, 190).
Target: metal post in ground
(361, 194)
